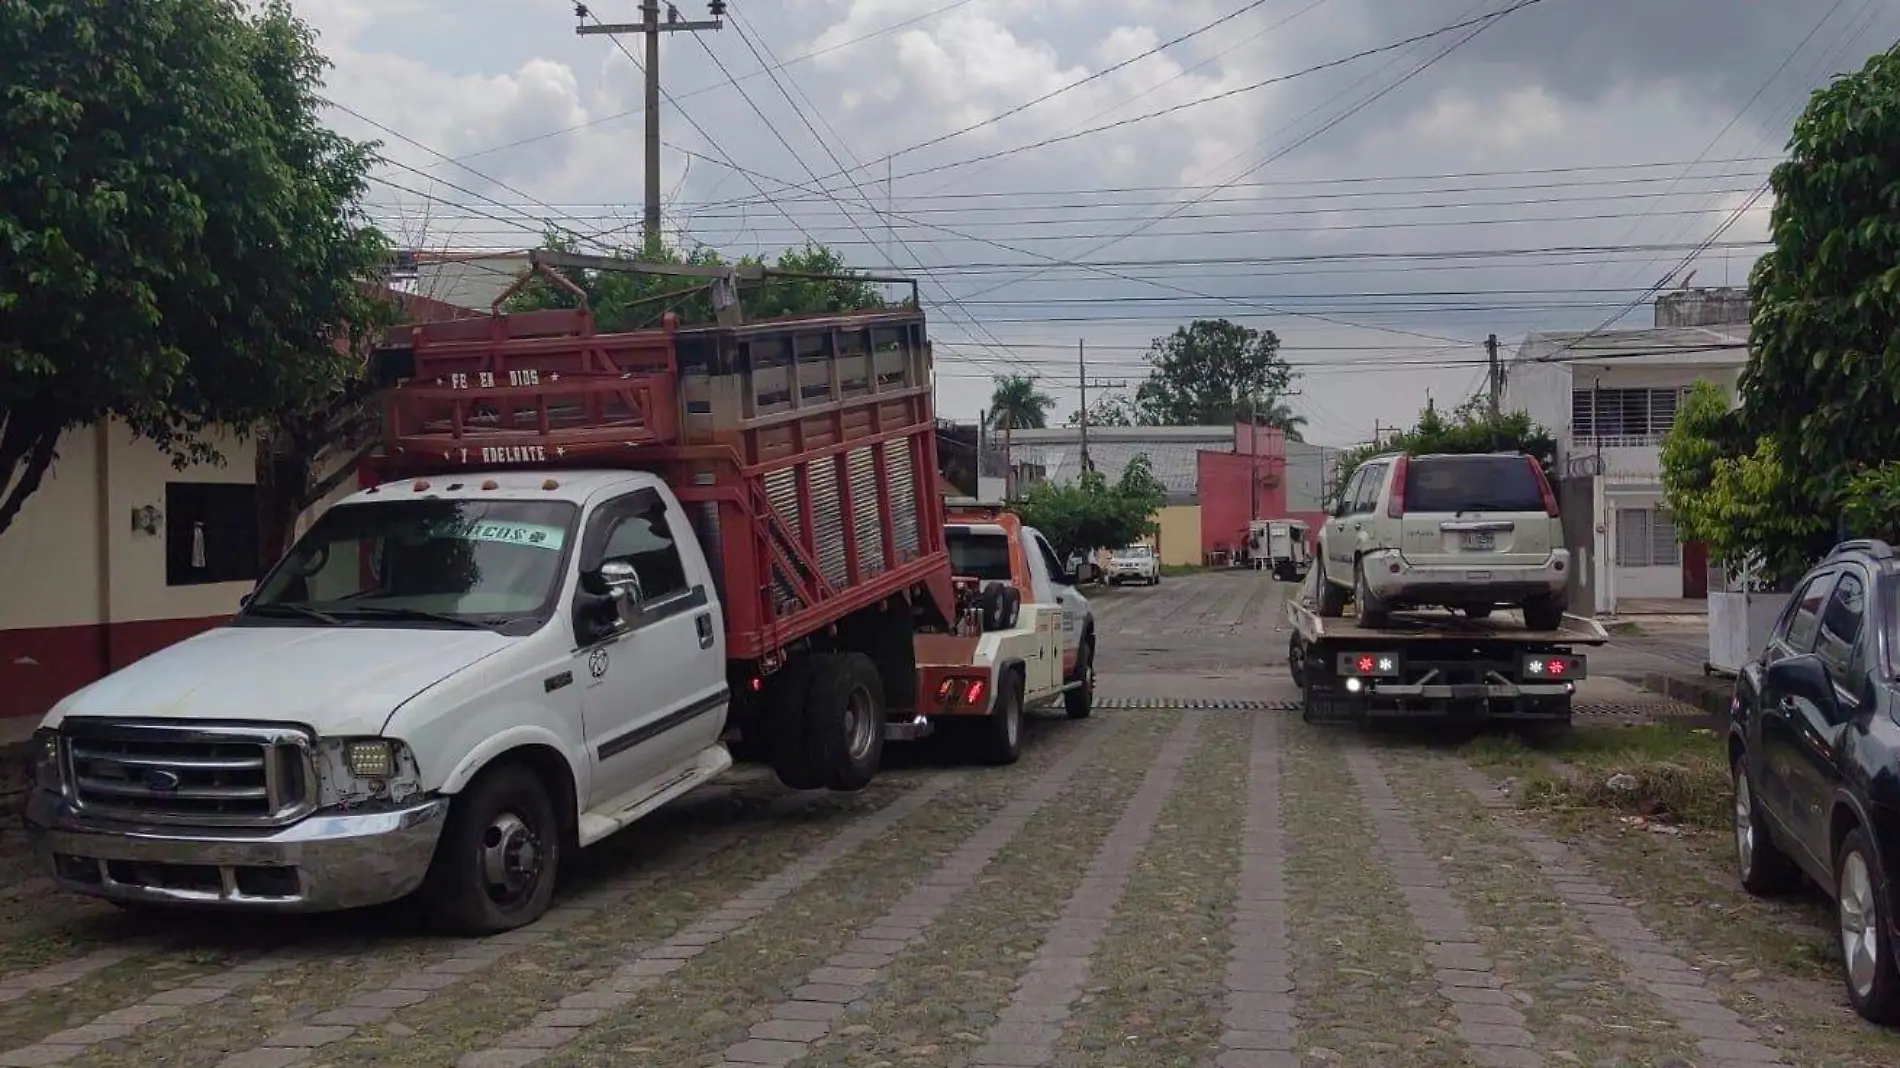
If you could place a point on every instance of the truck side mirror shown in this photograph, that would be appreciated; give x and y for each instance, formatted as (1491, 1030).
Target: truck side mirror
(622, 584)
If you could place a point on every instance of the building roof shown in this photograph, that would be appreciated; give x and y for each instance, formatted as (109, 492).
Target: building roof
(1173, 452)
(1707, 345)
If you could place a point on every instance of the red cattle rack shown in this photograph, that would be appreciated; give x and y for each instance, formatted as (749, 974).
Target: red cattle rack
(804, 449)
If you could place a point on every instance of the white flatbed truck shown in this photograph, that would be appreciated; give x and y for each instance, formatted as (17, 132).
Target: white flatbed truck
(1436, 665)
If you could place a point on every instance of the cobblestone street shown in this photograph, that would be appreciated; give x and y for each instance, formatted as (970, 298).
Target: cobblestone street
(1191, 877)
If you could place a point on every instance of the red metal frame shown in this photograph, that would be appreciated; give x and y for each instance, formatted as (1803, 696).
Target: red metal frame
(544, 388)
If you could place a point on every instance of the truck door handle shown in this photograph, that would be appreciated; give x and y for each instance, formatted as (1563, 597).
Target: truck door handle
(703, 623)
(1787, 706)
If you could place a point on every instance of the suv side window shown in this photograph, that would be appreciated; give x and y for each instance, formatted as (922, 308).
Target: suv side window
(1838, 639)
(1797, 630)
(1349, 495)
(640, 535)
(1368, 496)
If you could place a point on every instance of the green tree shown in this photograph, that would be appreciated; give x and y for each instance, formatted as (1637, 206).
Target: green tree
(1824, 374)
(1089, 513)
(1470, 430)
(1212, 372)
(1017, 404)
(1110, 409)
(637, 300)
(184, 249)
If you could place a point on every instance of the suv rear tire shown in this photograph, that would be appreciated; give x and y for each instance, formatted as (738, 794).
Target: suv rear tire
(1544, 613)
(1372, 611)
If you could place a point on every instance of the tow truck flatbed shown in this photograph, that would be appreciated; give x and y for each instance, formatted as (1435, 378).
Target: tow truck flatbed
(1437, 665)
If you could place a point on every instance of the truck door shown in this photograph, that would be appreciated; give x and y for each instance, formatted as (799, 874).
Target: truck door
(655, 690)
(1045, 565)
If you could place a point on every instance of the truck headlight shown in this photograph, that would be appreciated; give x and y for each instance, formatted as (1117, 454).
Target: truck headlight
(49, 762)
(352, 772)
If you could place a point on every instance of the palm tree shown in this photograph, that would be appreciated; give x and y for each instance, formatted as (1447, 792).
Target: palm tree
(1017, 404)
(1277, 415)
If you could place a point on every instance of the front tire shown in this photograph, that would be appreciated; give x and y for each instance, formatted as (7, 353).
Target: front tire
(1079, 703)
(496, 863)
(1332, 599)
(1544, 613)
(1867, 961)
(1764, 869)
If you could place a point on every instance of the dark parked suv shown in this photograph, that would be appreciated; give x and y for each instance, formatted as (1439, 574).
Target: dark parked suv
(1814, 744)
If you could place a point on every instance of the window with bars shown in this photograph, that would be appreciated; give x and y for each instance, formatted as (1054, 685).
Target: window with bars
(1623, 413)
(1646, 537)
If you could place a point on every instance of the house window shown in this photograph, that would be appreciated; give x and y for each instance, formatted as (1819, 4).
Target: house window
(210, 533)
(1646, 537)
(1623, 413)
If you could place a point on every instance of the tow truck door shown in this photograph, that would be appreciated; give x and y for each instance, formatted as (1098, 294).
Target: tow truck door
(1068, 602)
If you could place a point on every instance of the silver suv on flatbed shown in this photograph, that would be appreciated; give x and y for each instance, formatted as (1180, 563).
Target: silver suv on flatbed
(1467, 532)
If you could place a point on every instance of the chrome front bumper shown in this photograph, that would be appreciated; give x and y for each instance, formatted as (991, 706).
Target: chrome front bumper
(322, 863)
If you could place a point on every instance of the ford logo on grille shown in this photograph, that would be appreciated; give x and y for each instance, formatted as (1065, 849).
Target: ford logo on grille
(160, 780)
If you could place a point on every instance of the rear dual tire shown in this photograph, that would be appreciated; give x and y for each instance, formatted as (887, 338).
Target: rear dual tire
(825, 722)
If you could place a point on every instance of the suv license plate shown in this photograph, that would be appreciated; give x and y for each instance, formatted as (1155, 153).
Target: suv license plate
(1482, 540)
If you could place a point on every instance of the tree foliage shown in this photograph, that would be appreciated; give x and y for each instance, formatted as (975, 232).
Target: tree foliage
(1017, 404)
(1823, 379)
(1113, 408)
(1212, 372)
(1469, 430)
(1813, 451)
(1091, 514)
(635, 300)
(183, 244)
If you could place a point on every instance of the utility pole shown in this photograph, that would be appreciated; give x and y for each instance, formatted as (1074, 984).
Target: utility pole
(1497, 375)
(1082, 369)
(651, 26)
(1253, 452)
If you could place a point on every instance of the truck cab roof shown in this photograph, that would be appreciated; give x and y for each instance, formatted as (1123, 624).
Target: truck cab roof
(573, 486)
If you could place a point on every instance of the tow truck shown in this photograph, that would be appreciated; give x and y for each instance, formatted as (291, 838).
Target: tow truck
(586, 560)
(1436, 665)
(1032, 648)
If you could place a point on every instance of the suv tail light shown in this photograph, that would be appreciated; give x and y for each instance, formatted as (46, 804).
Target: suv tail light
(1395, 506)
(1550, 495)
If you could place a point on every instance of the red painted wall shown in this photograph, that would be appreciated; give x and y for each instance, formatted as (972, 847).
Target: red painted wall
(1227, 505)
(42, 665)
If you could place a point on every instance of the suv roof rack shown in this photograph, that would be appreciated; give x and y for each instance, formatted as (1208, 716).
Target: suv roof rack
(1873, 547)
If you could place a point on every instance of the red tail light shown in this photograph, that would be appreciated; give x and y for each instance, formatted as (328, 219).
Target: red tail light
(1396, 508)
(1550, 495)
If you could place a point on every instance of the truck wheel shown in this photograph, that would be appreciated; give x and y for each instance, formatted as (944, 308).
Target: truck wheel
(498, 857)
(784, 732)
(1544, 613)
(1372, 611)
(999, 735)
(1332, 599)
(1477, 611)
(1079, 703)
(844, 721)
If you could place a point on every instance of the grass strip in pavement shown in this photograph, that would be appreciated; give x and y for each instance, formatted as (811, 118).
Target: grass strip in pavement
(1365, 987)
(98, 992)
(931, 1006)
(1576, 996)
(1771, 961)
(327, 992)
(436, 1029)
(714, 1000)
(1155, 991)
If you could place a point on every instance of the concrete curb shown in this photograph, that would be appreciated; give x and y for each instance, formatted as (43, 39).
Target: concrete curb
(1711, 695)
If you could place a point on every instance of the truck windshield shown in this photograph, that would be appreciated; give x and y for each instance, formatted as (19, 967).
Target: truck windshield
(1471, 484)
(979, 555)
(422, 561)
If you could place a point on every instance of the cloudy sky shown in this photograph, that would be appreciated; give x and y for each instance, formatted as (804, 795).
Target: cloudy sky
(1381, 212)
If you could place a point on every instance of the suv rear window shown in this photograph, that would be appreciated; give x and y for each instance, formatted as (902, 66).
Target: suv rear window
(1472, 484)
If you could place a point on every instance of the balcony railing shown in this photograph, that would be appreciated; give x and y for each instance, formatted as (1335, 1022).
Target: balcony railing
(1584, 442)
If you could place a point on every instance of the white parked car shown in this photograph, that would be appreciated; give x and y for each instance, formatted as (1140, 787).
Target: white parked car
(1470, 532)
(1134, 563)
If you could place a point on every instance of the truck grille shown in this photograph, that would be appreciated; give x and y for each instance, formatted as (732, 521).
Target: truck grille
(199, 774)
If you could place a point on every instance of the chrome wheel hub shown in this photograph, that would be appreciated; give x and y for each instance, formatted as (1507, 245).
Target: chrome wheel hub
(1860, 925)
(1744, 822)
(859, 724)
(511, 858)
